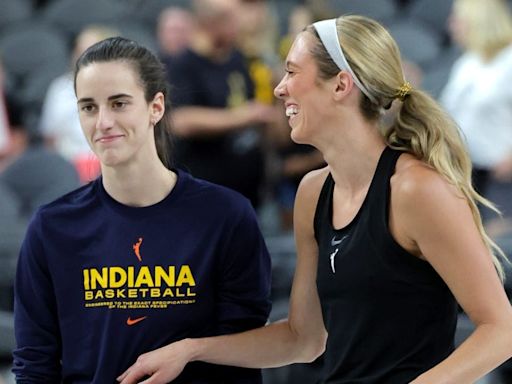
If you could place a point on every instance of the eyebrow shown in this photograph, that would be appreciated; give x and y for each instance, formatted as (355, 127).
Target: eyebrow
(291, 63)
(110, 98)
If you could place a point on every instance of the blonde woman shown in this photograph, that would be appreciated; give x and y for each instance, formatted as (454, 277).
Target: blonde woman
(388, 235)
(482, 108)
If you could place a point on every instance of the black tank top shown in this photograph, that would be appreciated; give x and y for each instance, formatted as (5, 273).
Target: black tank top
(389, 315)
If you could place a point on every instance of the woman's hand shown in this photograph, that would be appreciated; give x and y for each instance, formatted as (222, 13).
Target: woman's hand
(160, 366)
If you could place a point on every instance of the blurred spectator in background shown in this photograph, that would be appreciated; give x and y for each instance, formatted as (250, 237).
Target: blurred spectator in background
(59, 120)
(299, 18)
(36, 174)
(257, 40)
(12, 224)
(295, 159)
(174, 30)
(478, 94)
(216, 120)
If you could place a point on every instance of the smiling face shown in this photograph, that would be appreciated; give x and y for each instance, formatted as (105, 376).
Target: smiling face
(303, 92)
(116, 119)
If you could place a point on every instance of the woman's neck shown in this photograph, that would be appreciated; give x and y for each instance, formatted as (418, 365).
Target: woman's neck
(353, 155)
(139, 185)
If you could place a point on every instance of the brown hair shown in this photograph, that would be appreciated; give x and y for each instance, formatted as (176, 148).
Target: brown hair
(151, 73)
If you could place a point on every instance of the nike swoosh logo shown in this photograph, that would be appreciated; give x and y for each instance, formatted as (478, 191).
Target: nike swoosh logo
(335, 242)
(333, 255)
(130, 321)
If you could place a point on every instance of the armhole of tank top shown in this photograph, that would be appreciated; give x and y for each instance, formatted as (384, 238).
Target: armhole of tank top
(390, 171)
(389, 239)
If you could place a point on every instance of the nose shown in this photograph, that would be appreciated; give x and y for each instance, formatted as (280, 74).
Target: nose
(280, 89)
(104, 120)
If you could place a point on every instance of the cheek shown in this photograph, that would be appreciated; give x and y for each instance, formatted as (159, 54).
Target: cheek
(87, 124)
(302, 88)
(312, 106)
(83, 122)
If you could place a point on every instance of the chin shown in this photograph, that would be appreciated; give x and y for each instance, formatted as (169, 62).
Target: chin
(297, 138)
(110, 160)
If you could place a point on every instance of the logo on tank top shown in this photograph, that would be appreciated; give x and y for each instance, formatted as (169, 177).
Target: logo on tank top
(335, 242)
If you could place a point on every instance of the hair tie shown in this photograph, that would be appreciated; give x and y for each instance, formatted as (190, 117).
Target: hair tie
(404, 90)
(328, 34)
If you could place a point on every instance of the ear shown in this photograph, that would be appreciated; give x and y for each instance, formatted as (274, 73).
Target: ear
(157, 107)
(343, 85)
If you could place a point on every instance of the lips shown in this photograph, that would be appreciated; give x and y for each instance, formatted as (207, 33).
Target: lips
(108, 139)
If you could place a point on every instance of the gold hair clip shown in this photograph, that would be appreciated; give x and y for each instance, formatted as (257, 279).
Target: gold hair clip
(404, 90)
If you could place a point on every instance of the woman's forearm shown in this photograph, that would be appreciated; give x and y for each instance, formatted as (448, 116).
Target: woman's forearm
(270, 346)
(487, 347)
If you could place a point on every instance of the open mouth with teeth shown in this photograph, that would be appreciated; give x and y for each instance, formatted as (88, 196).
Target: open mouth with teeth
(291, 111)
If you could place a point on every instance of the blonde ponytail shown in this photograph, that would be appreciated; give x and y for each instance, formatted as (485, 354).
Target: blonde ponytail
(423, 129)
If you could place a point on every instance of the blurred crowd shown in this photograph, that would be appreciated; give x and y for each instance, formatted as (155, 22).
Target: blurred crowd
(224, 60)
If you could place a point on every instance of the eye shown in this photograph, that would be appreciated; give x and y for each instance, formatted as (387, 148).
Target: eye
(87, 108)
(289, 72)
(119, 104)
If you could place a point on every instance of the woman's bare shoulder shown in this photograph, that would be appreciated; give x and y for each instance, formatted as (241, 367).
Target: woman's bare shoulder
(312, 183)
(415, 180)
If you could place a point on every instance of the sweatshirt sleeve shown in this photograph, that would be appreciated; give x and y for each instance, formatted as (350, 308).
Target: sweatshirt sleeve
(38, 347)
(245, 277)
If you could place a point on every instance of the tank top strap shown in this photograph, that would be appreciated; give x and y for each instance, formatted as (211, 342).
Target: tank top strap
(384, 171)
(324, 206)
(379, 193)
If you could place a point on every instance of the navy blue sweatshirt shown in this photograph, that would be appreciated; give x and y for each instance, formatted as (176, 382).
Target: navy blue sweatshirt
(99, 283)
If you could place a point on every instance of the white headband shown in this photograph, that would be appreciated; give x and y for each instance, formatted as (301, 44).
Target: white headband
(328, 33)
